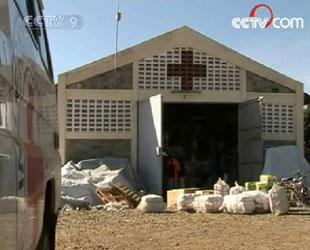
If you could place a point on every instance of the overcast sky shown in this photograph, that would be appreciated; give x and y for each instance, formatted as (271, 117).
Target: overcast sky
(287, 51)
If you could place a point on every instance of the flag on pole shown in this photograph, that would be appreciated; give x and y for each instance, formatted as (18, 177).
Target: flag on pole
(119, 13)
(118, 16)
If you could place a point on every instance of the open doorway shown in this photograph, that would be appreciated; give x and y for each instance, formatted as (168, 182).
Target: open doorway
(212, 140)
(204, 139)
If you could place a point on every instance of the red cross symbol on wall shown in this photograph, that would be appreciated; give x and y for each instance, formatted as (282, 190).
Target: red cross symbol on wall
(187, 70)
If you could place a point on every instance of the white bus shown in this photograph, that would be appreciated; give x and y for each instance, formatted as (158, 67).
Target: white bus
(29, 158)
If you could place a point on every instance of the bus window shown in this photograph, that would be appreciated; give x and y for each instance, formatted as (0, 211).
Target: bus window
(2, 105)
(2, 114)
(32, 8)
(27, 9)
(22, 5)
(33, 12)
(42, 39)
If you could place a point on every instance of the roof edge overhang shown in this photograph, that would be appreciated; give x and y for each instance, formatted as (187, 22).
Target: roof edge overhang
(183, 36)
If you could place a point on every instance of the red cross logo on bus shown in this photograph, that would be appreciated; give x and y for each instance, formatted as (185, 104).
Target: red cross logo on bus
(187, 70)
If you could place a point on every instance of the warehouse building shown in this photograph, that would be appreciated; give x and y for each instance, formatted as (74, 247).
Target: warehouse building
(184, 90)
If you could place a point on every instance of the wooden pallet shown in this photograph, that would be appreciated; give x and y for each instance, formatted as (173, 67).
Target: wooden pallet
(131, 196)
(119, 193)
(110, 196)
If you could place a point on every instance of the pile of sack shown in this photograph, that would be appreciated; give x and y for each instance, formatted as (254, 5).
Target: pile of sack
(236, 200)
(233, 200)
(249, 202)
(240, 201)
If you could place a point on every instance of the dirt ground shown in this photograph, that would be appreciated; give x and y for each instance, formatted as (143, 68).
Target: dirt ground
(131, 230)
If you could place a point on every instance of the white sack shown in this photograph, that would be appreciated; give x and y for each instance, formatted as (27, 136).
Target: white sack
(185, 202)
(221, 187)
(237, 204)
(152, 204)
(208, 203)
(260, 199)
(236, 189)
(152, 198)
(278, 200)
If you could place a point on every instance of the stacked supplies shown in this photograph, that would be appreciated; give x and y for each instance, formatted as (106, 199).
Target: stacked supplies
(268, 179)
(208, 203)
(238, 204)
(185, 202)
(173, 194)
(250, 186)
(264, 184)
(261, 200)
(236, 189)
(221, 187)
(204, 192)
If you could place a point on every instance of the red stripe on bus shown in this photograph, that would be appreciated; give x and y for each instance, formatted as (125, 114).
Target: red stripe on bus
(35, 168)
(35, 161)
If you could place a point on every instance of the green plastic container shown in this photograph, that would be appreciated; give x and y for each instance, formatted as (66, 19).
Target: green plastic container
(250, 186)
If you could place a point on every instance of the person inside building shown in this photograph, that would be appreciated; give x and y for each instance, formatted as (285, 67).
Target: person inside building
(174, 167)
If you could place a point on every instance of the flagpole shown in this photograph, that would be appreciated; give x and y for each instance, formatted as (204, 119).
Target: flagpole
(118, 18)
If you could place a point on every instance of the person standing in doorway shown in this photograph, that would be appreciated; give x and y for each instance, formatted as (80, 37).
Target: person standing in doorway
(174, 173)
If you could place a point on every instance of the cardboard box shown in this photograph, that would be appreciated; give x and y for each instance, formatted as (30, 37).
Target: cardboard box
(204, 192)
(173, 194)
(262, 186)
(268, 178)
(250, 186)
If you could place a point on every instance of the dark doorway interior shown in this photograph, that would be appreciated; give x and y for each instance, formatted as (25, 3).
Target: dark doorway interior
(204, 139)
